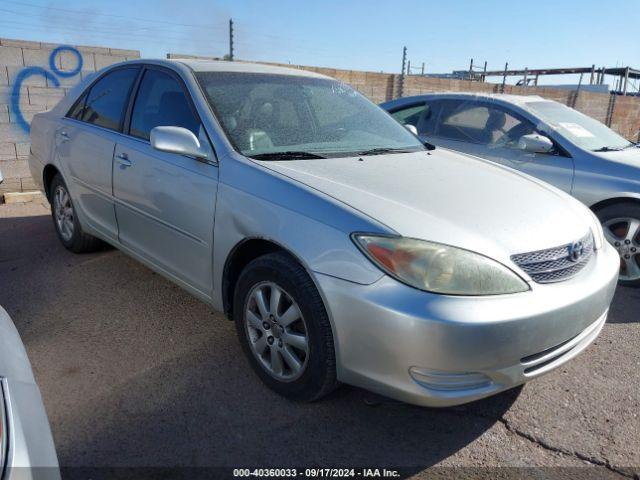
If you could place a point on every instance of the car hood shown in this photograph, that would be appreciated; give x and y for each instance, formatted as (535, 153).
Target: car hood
(447, 197)
(628, 156)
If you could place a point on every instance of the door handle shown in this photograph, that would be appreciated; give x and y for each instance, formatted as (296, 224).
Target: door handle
(64, 136)
(123, 159)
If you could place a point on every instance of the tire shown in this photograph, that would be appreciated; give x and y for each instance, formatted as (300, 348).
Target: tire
(621, 225)
(66, 224)
(317, 375)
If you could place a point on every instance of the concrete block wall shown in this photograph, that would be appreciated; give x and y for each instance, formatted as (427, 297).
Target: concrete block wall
(379, 87)
(625, 117)
(38, 92)
(620, 113)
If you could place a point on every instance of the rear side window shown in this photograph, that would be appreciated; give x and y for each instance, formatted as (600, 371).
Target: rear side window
(78, 109)
(107, 99)
(161, 102)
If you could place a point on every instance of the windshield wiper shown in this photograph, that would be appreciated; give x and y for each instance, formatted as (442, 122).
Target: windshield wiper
(608, 149)
(287, 155)
(382, 151)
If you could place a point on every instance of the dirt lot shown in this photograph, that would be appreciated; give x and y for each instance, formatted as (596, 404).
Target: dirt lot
(135, 372)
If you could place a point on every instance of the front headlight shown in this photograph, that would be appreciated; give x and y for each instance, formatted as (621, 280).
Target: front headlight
(438, 268)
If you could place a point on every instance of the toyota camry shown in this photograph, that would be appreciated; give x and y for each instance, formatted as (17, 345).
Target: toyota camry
(343, 247)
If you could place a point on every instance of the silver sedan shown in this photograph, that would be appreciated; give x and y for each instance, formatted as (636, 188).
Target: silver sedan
(344, 249)
(548, 140)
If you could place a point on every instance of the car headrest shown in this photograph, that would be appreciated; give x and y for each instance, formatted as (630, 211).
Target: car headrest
(496, 120)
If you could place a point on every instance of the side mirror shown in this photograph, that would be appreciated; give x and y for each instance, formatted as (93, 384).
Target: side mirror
(535, 143)
(411, 128)
(177, 140)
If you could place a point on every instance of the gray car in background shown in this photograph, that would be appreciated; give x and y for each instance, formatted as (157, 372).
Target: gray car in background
(26, 445)
(344, 249)
(545, 139)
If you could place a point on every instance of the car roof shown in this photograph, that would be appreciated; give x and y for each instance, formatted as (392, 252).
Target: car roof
(203, 65)
(502, 97)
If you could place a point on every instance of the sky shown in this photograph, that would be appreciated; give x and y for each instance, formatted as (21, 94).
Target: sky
(359, 35)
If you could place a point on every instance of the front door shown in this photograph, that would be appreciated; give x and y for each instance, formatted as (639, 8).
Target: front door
(490, 131)
(165, 202)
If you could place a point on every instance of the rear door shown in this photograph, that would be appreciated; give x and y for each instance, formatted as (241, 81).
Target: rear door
(85, 142)
(165, 202)
(491, 131)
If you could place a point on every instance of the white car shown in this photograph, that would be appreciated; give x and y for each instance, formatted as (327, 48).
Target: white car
(26, 445)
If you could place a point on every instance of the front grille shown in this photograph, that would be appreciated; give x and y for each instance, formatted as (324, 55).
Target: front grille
(555, 264)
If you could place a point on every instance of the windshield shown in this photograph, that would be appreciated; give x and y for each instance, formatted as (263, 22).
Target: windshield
(583, 131)
(266, 115)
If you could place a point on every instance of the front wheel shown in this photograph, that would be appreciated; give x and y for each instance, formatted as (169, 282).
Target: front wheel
(284, 328)
(621, 226)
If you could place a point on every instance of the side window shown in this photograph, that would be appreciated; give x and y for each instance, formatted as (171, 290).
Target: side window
(409, 115)
(77, 110)
(467, 121)
(462, 121)
(107, 99)
(161, 102)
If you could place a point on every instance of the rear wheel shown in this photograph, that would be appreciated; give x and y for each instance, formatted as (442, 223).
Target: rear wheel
(66, 221)
(621, 226)
(284, 328)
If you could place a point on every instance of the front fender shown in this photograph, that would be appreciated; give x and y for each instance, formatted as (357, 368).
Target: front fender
(618, 197)
(254, 202)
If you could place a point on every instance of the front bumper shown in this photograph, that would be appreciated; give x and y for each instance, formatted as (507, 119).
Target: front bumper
(384, 330)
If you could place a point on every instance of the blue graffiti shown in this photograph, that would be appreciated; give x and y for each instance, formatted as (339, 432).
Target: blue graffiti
(62, 73)
(50, 76)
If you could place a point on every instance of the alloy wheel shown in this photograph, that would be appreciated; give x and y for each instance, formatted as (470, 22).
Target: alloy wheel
(63, 212)
(276, 331)
(624, 234)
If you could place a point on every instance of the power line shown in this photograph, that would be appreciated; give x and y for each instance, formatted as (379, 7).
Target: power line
(208, 27)
(163, 34)
(44, 18)
(94, 31)
(288, 41)
(301, 45)
(108, 34)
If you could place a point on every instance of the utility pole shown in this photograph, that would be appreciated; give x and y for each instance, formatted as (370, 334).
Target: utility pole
(231, 40)
(504, 77)
(404, 64)
(626, 80)
(404, 59)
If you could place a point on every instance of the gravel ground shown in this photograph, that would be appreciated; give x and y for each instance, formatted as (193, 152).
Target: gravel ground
(136, 372)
